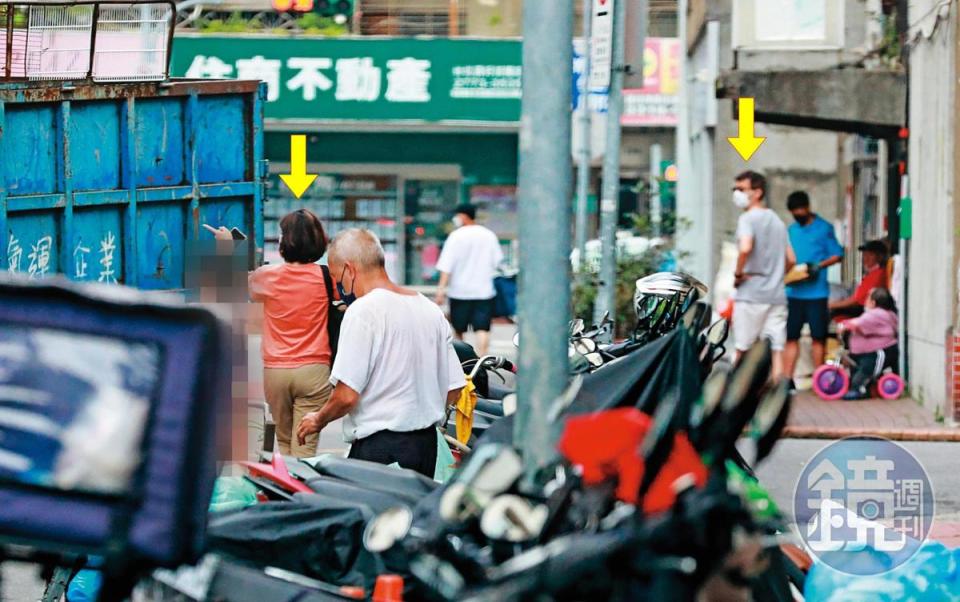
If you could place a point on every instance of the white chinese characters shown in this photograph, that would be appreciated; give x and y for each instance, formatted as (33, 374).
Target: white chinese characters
(408, 80)
(309, 77)
(358, 79)
(349, 79)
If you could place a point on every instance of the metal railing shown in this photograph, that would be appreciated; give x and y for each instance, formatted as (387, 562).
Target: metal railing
(103, 41)
(412, 17)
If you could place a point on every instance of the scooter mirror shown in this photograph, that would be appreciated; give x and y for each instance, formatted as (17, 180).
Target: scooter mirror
(658, 442)
(513, 518)
(387, 528)
(585, 346)
(713, 390)
(718, 332)
(576, 327)
(771, 418)
(750, 375)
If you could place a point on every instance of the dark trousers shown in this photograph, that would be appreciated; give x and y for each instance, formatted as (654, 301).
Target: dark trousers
(871, 365)
(416, 450)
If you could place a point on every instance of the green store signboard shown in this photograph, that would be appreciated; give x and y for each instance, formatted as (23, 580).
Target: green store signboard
(368, 79)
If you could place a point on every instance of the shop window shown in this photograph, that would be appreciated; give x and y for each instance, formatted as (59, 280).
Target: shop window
(788, 24)
(341, 202)
(428, 209)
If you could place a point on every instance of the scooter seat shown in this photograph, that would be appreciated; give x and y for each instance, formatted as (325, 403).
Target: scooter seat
(497, 391)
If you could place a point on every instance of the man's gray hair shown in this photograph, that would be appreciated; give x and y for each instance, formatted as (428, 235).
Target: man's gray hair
(359, 246)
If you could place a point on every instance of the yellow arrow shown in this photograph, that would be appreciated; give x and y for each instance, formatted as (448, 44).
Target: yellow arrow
(298, 180)
(746, 143)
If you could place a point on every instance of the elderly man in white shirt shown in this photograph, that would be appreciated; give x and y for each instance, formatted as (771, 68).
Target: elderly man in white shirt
(395, 370)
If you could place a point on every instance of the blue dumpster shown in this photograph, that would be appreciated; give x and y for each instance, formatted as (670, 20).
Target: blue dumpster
(109, 182)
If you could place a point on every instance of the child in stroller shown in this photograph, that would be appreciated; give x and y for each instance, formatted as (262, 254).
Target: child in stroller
(873, 354)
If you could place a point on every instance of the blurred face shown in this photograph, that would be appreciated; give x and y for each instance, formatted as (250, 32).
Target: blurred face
(870, 304)
(870, 259)
(802, 215)
(743, 186)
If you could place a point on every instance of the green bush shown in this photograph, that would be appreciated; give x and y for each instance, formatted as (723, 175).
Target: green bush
(630, 268)
(309, 24)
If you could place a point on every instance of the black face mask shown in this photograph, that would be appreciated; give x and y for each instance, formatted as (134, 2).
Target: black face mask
(804, 220)
(346, 297)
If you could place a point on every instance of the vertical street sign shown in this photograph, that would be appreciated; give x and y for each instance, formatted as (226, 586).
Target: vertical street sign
(601, 45)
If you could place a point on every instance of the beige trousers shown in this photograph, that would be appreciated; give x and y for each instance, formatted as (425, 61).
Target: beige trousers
(291, 394)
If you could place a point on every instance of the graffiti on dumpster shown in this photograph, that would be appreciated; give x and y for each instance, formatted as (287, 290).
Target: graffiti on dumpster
(39, 258)
(14, 254)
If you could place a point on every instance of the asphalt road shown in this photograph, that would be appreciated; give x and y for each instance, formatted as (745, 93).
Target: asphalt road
(780, 472)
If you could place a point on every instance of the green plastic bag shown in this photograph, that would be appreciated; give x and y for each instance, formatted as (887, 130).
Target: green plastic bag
(232, 493)
(444, 469)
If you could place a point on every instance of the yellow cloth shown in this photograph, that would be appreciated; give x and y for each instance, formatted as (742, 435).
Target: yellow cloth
(465, 406)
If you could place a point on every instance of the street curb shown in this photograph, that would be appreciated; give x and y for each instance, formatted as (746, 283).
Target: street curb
(894, 434)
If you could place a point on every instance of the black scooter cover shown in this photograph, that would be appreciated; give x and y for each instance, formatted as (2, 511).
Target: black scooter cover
(377, 500)
(370, 474)
(322, 541)
(668, 365)
(238, 583)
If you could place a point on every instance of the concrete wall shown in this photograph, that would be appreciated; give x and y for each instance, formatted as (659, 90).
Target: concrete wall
(932, 268)
(854, 47)
(791, 158)
(635, 146)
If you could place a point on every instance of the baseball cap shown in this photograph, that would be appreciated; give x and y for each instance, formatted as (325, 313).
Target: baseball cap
(874, 246)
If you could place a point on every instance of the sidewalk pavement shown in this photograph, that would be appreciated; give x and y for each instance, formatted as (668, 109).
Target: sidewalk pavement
(946, 530)
(899, 420)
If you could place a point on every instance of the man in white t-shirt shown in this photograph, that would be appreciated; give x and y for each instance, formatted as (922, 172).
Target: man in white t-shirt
(396, 369)
(468, 265)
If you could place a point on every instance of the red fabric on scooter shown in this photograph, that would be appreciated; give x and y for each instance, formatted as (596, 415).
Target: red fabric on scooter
(606, 445)
(277, 472)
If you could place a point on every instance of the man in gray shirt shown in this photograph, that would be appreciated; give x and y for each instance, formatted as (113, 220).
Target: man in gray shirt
(760, 306)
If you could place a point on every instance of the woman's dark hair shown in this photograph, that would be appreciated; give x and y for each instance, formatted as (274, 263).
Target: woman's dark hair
(302, 239)
(883, 299)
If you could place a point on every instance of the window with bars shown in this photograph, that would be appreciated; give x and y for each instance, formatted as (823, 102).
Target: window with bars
(413, 17)
(496, 18)
(103, 41)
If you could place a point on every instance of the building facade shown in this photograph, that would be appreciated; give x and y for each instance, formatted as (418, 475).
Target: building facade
(402, 128)
(830, 99)
(932, 250)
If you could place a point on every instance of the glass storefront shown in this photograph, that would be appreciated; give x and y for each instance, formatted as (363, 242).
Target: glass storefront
(341, 202)
(428, 208)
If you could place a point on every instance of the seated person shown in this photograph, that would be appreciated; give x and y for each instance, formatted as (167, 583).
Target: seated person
(873, 341)
(395, 370)
(874, 276)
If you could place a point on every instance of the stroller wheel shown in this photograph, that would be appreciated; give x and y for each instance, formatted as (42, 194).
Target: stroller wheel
(890, 386)
(830, 382)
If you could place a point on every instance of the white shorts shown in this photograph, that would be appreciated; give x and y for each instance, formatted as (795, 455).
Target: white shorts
(755, 321)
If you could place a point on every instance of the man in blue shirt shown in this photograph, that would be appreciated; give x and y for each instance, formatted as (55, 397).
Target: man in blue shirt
(815, 245)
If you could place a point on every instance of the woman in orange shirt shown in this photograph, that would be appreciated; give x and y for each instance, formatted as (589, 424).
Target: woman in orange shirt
(296, 347)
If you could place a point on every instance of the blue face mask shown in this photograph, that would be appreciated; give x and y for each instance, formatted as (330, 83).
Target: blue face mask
(345, 297)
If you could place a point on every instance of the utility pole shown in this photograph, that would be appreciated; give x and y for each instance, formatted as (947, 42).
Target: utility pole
(656, 208)
(584, 116)
(610, 195)
(544, 194)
